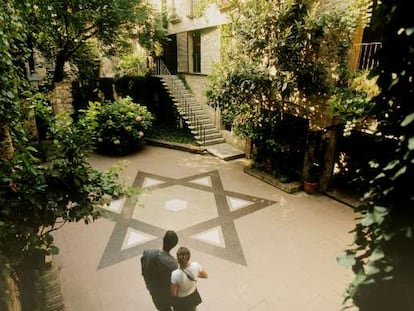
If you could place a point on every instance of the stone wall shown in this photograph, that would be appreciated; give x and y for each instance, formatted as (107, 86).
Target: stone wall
(210, 48)
(62, 97)
(197, 85)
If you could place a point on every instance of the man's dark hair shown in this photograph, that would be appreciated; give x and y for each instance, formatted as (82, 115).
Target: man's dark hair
(169, 241)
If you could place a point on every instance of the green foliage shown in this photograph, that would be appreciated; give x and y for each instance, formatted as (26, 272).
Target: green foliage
(353, 103)
(132, 65)
(43, 184)
(13, 54)
(382, 256)
(61, 29)
(118, 126)
(86, 60)
(40, 191)
(314, 172)
(280, 53)
(279, 49)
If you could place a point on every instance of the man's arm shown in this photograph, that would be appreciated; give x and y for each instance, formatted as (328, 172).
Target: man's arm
(144, 268)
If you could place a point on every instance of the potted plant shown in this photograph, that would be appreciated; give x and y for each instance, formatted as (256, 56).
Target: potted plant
(311, 182)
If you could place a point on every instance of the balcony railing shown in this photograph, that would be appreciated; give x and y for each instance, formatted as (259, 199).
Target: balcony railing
(366, 55)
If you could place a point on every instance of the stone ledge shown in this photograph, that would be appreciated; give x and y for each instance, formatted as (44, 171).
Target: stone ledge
(290, 187)
(174, 145)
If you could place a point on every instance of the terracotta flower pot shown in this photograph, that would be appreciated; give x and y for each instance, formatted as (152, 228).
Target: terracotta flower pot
(310, 187)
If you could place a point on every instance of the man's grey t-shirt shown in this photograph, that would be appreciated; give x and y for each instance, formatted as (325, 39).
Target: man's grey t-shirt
(156, 268)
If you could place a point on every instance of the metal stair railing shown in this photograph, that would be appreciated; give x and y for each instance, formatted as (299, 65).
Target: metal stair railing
(160, 68)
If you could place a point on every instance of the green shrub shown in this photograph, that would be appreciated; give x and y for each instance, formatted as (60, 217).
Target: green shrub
(132, 65)
(119, 126)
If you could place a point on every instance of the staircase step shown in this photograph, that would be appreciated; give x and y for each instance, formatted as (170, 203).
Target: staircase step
(196, 127)
(212, 141)
(225, 152)
(197, 136)
(198, 117)
(207, 131)
(192, 105)
(208, 128)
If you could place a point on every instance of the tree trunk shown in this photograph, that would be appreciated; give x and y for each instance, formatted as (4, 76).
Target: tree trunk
(10, 298)
(8, 287)
(59, 67)
(329, 157)
(6, 143)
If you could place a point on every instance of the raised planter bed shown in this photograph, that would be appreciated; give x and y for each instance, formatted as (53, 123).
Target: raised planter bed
(289, 187)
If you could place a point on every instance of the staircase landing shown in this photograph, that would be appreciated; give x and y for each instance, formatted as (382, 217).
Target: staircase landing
(225, 151)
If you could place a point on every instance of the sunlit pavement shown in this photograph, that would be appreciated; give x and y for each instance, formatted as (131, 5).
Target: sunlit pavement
(264, 249)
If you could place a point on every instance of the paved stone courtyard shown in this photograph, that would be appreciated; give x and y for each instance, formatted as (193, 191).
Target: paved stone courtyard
(264, 249)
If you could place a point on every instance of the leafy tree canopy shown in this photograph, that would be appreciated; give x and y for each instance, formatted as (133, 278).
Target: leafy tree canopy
(60, 29)
(13, 54)
(275, 54)
(43, 184)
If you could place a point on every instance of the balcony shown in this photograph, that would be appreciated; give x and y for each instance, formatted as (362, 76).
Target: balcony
(364, 55)
(174, 18)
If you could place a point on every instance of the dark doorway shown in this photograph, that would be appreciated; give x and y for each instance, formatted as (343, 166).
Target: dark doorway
(196, 52)
(170, 54)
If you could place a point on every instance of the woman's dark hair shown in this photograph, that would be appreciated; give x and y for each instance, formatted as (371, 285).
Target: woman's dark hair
(183, 256)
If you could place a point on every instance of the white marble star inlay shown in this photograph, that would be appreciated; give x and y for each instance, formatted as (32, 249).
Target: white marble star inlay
(115, 206)
(213, 236)
(235, 203)
(148, 182)
(135, 237)
(176, 205)
(205, 181)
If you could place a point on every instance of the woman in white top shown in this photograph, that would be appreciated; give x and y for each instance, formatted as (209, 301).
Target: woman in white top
(184, 282)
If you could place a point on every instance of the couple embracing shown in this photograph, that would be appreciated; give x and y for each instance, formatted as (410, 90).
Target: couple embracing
(172, 286)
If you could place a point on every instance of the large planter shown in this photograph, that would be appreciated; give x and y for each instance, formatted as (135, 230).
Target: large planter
(310, 187)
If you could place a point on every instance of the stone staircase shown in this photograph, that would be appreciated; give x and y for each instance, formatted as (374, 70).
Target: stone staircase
(193, 114)
(196, 118)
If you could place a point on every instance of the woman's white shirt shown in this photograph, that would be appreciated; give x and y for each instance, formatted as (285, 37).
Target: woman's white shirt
(185, 285)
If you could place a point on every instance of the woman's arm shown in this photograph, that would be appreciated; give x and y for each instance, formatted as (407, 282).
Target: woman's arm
(203, 274)
(174, 289)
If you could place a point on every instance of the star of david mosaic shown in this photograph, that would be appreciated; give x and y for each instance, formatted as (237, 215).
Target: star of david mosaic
(196, 207)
